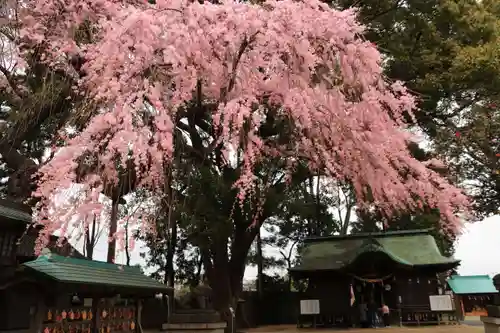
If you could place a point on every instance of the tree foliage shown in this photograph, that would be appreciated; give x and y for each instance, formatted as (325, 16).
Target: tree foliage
(304, 212)
(35, 103)
(447, 53)
(373, 222)
(473, 153)
(244, 79)
(248, 109)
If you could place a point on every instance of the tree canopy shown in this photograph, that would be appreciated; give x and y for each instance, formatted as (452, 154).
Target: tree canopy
(447, 54)
(221, 115)
(143, 63)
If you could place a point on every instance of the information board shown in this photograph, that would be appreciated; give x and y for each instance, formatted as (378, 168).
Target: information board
(441, 303)
(309, 306)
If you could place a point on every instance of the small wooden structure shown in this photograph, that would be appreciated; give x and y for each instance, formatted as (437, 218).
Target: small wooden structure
(60, 291)
(70, 295)
(472, 294)
(397, 268)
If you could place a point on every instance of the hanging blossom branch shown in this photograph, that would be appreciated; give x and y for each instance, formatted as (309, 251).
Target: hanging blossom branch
(304, 58)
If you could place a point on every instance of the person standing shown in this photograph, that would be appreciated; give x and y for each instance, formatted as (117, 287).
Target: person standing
(363, 317)
(372, 314)
(385, 315)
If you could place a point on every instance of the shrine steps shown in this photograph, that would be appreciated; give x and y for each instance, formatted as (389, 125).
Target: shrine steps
(194, 327)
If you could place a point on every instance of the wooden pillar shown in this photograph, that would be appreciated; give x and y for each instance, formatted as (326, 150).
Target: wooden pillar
(96, 318)
(138, 326)
(40, 312)
(462, 309)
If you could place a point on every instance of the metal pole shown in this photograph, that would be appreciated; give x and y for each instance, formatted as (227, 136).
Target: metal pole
(232, 319)
(168, 308)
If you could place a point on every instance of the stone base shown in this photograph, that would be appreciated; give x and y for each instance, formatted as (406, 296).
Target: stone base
(195, 327)
(194, 317)
(491, 324)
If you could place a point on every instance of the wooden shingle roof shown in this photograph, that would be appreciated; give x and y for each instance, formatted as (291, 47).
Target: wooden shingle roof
(408, 248)
(90, 272)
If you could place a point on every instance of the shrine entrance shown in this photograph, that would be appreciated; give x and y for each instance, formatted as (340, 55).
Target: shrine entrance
(372, 276)
(372, 290)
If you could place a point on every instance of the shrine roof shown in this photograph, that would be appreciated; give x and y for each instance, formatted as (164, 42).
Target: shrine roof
(471, 284)
(15, 212)
(90, 272)
(409, 248)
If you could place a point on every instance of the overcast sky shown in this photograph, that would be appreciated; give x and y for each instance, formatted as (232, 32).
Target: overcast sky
(477, 248)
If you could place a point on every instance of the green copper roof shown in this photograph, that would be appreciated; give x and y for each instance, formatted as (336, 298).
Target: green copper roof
(409, 248)
(82, 271)
(472, 284)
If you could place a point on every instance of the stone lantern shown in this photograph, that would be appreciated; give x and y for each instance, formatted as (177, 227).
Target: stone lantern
(492, 321)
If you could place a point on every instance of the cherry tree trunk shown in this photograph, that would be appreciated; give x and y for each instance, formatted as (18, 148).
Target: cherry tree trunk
(226, 290)
(113, 225)
(225, 270)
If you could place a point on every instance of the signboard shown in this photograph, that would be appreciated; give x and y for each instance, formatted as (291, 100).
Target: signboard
(441, 303)
(309, 306)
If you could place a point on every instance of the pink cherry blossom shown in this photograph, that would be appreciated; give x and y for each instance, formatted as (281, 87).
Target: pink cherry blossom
(304, 56)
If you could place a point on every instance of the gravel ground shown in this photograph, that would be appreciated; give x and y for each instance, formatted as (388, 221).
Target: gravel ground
(427, 329)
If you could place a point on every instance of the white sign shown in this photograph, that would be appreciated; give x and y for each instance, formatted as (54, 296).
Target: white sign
(309, 306)
(441, 303)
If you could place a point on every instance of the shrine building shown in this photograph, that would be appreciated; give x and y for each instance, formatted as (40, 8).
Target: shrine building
(472, 294)
(400, 269)
(61, 291)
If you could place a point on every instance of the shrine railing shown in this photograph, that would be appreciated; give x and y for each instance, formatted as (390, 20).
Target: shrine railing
(422, 315)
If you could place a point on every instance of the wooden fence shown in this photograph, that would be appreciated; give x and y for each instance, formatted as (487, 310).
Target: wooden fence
(275, 308)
